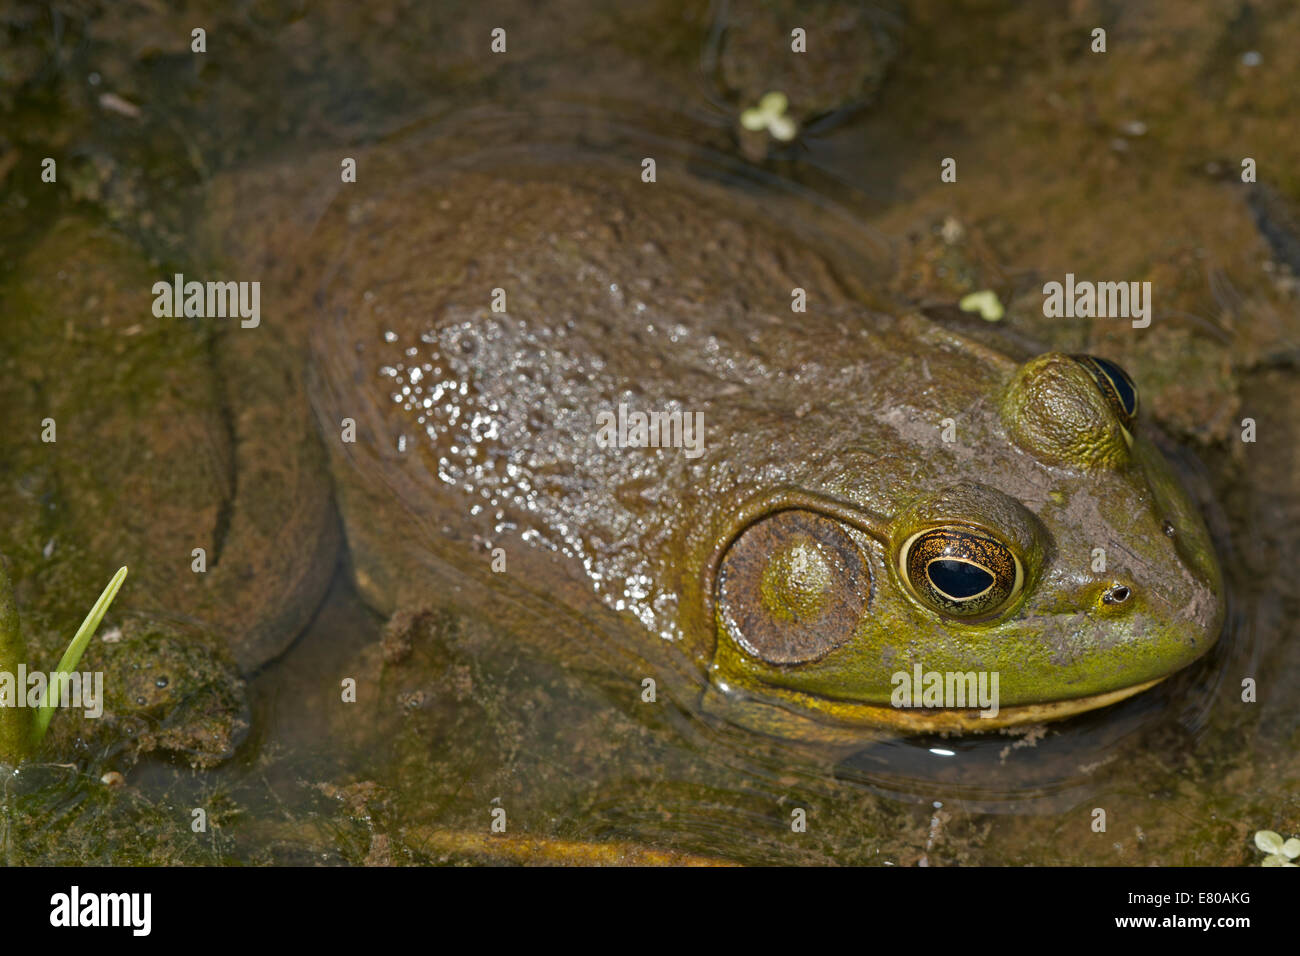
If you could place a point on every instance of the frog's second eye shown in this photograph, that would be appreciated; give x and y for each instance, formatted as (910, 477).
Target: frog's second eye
(960, 570)
(1115, 384)
(792, 587)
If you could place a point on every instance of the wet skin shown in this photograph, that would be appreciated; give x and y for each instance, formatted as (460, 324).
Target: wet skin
(827, 537)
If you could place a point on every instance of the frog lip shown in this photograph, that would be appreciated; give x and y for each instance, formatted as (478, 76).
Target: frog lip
(797, 715)
(1015, 715)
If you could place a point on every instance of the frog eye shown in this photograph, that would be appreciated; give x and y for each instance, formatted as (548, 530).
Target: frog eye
(1115, 384)
(792, 587)
(960, 570)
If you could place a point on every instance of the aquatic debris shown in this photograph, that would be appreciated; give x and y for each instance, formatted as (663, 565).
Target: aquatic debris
(952, 230)
(117, 104)
(769, 115)
(1280, 853)
(985, 302)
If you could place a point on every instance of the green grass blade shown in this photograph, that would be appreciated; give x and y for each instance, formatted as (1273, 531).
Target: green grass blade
(72, 656)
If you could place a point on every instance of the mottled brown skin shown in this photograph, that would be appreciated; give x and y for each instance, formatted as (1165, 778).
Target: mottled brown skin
(673, 295)
(172, 435)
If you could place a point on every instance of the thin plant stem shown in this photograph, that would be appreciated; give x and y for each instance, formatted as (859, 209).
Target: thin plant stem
(72, 656)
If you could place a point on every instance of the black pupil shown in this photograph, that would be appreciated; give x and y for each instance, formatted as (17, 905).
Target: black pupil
(959, 579)
(1122, 383)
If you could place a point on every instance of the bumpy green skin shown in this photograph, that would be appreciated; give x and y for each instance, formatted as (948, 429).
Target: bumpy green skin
(172, 435)
(679, 297)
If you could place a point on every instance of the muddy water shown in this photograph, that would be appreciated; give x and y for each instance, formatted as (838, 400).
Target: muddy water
(1121, 166)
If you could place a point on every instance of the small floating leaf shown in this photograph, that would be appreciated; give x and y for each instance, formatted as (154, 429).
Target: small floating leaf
(985, 302)
(1269, 841)
(753, 120)
(774, 103)
(782, 128)
(769, 114)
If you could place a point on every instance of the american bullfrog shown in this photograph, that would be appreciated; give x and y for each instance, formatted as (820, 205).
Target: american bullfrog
(141, 441)
(874, 493)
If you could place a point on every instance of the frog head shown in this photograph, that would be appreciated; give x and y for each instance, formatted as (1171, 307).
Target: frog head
(1079, 574)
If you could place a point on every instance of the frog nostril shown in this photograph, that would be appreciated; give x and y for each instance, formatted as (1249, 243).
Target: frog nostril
(1117, 595)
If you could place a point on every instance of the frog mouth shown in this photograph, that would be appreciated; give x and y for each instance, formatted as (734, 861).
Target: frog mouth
(801, 716)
